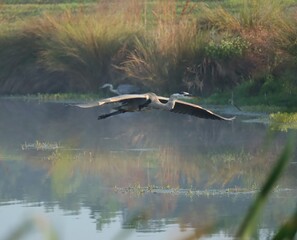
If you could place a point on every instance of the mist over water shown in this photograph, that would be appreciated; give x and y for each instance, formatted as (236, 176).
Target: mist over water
(148, 175)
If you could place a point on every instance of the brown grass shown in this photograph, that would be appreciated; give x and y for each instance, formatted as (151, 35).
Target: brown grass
(153, 44)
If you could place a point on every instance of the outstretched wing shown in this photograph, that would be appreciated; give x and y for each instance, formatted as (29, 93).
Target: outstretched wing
(196, 110)
(117, 99)
(163, 99)
(87, 105)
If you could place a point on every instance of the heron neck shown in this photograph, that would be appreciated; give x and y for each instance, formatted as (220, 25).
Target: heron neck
(112, 89)
(171, 102)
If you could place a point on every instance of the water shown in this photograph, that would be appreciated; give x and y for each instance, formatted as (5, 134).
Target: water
(152, 175)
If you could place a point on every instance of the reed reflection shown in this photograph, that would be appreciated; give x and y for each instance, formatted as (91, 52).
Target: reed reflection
(144, 167)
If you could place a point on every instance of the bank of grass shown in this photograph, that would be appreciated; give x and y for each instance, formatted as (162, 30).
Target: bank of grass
(282, 121)
(56, 97)
(77, 47)
(269, 94)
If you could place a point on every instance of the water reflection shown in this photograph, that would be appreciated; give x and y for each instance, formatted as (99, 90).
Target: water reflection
(83, 163)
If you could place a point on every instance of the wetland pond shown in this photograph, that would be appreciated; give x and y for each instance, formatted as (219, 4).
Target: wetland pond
(150, 175)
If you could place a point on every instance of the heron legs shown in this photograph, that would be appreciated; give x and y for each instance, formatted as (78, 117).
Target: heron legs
(121, 109)
(111, 114)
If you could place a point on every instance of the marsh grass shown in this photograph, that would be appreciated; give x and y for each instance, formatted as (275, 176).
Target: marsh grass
(83, 46)
(245, 14)
(76, 47)
(265, 13)
(218, 18)
(161, 56)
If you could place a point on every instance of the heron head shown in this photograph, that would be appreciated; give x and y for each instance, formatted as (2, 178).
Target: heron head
(185, 94)
(181, 95)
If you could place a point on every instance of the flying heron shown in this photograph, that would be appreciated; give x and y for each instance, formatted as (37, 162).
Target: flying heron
(139, 102)
(122, 88)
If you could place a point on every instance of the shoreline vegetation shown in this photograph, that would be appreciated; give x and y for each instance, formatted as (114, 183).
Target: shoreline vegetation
(240, 51)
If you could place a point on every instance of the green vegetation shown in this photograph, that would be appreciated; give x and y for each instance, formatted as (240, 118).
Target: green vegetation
(283, 121)
(227, 48)
(268, 94)
(284, 117)
(248, 47)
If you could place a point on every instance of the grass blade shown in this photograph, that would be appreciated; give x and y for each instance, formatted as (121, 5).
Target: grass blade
(248, 225)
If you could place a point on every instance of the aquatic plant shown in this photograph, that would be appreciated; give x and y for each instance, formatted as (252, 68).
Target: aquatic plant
(283, 121)
(40, 146)
(283, 117)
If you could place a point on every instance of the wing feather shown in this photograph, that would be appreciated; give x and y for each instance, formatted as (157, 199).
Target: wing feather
(197, 111)
(122, 99)
(163, 99)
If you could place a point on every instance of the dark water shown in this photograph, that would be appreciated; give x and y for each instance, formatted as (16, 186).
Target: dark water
(152, 175)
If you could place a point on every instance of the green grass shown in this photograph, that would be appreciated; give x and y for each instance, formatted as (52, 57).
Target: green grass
(283, 121)
(284, 117)
(268, 94)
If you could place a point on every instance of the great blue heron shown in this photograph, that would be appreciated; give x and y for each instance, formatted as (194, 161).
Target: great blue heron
(138, 102)
(122, 88)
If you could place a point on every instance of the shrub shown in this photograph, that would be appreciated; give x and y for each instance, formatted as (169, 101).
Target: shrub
(227, 48)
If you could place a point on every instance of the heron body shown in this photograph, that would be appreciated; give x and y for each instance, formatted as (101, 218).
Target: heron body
(140, 102)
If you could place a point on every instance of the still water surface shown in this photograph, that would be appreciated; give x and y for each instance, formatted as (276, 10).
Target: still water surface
(152, 175)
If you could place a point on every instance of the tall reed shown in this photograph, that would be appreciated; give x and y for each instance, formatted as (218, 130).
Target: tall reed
(78, 45)
(152, 42)
(83, 45)
(160, 57)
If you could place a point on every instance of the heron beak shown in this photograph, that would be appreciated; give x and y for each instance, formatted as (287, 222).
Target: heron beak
(187, 95)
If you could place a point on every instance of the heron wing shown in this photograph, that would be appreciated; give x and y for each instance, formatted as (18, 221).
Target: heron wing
(117, 99)
(197, 111)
